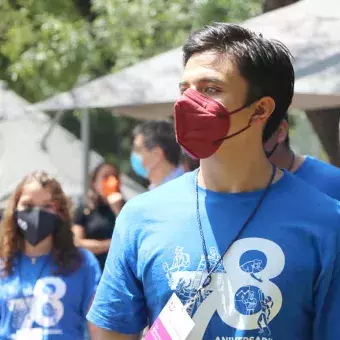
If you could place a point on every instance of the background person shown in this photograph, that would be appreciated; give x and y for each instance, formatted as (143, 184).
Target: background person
(155, 152)
(321, 175)
(46, 283)
(94, 221)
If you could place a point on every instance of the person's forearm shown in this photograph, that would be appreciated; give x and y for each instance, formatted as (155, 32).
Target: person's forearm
(95, 246)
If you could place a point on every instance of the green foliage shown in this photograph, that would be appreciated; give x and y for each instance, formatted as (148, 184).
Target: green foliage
(128, 31)
(49, 46)
(45, 46)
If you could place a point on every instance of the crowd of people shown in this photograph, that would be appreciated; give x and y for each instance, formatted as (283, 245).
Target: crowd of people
(242, 229)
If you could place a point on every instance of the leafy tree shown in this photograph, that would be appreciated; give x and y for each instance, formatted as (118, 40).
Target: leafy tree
(269, 5)
(128, 31)
(50, 46)
(45, 46)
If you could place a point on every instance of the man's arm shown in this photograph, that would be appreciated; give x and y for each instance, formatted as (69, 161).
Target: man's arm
(119, 304)
(104, 334)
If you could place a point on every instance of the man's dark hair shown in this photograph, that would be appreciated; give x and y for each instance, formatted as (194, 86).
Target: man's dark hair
(265, 64)
(160, 133)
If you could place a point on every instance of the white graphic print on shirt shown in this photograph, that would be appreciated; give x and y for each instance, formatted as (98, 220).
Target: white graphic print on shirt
(43, 307)
(241, 290)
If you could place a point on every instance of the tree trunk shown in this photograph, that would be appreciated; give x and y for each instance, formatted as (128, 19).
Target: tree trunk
(269, 5)
(325, 122)
(326, 125)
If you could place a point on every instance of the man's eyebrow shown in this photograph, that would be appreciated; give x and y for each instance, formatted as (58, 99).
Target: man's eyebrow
(205, 80)
(211, 80)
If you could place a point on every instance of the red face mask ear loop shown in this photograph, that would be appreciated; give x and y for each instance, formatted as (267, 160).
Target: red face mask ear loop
(239, 131)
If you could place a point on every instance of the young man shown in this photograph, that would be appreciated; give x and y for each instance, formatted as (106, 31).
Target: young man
(155, 153)
(323, 176)
(251, 252)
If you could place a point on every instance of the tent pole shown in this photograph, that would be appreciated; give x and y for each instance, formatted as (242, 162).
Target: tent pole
(85, 135)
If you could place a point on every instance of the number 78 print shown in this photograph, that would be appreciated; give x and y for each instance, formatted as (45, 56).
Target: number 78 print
(244, 296)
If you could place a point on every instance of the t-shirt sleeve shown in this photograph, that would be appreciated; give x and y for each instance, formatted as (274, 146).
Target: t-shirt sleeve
(327, 324)
(92, 277)
(327, 299)
(119, 304)
(79, 216)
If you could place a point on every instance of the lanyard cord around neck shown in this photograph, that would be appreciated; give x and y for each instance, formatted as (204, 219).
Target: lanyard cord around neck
(210, 271)
(46, 262)
(291, 165)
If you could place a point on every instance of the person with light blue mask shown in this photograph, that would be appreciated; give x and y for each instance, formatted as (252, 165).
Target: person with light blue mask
(155, 152)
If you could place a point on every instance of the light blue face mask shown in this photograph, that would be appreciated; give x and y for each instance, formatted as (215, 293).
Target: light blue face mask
(136, 161)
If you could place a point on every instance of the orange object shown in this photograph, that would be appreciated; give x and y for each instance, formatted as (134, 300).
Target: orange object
(110, 186)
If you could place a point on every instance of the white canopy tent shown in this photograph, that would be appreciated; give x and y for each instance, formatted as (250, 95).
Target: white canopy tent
(311, 30)
(148, 89)
(141, 91)
(23, 149)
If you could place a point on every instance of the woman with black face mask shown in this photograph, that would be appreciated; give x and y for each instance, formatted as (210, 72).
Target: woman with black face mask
(46, 283)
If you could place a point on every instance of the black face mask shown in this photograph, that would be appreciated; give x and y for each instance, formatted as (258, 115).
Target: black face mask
(36, 224)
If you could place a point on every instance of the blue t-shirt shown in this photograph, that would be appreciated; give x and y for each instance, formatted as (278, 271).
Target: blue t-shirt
(34, 301)
(323, 176)
(279, 280)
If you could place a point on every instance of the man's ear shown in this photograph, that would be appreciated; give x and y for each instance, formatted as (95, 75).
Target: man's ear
(264, 108)
(158, 152)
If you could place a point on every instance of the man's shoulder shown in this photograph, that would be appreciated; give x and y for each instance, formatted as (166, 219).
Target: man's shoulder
(157, 203)
(164, 194)
(310, 201)
(324, 176)
(326, 167)
(305, 194)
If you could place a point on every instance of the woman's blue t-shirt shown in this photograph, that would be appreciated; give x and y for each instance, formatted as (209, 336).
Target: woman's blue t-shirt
(36, 304)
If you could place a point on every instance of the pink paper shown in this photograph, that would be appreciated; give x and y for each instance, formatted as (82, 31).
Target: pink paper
(157, 331)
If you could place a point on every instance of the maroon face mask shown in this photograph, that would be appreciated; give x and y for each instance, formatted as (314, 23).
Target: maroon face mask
(202, 124)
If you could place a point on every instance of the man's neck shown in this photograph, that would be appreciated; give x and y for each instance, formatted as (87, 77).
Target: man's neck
(42, 248)
(285, 158)
(238, 174)
(159, 173)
